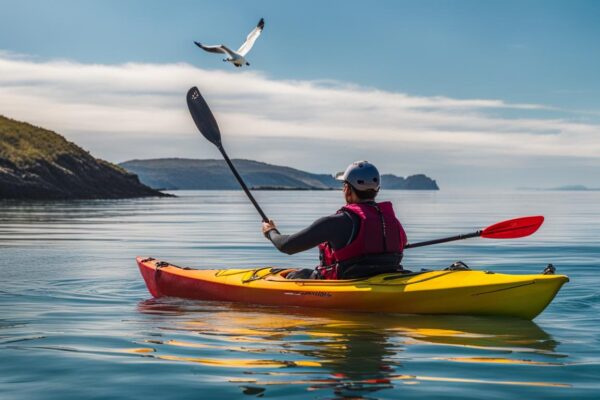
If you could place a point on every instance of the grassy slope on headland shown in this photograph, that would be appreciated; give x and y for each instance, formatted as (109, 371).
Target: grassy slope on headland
(36, 163)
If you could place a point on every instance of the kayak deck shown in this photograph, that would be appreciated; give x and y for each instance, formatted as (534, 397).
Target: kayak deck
(432, 292)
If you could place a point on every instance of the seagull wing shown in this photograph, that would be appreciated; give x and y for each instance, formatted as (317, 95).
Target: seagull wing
(215, 49)
(251, 38)
(228, 51)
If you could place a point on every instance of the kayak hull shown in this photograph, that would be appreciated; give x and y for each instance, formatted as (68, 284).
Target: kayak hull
(433, 292)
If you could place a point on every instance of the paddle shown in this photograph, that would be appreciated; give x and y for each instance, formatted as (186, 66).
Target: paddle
(207, 125)
(510, 229)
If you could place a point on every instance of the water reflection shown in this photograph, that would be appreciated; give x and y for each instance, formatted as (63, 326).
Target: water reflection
(351, 354)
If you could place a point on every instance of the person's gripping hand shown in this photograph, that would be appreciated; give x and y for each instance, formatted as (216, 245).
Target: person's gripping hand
(267, 227)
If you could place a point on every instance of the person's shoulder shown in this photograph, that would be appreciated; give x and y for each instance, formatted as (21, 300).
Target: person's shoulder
(341, 216)
(331, 217)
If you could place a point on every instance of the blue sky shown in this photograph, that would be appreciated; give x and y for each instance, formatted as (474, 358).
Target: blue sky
(538, 59)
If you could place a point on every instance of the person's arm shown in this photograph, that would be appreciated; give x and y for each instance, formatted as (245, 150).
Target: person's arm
(335, 229)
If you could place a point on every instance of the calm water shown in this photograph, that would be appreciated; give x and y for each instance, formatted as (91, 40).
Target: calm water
(76, 320)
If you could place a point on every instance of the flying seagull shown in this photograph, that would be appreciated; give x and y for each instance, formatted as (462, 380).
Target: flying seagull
(237, 57)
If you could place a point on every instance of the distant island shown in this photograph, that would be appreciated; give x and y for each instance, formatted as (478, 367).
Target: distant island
(566, 188)
(36, 163)
(576, 188)
(191, 174)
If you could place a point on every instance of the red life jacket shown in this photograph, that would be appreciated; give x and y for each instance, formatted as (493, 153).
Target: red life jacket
(375, 218)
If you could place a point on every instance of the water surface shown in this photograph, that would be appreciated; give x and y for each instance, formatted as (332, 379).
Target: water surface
(76, 320)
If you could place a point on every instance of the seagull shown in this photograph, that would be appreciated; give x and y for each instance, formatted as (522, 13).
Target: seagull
(237, 57)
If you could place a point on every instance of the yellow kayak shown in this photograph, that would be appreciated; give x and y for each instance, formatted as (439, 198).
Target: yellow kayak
(462, 292)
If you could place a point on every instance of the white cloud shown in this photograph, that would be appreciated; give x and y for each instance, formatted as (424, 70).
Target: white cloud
(147, 102)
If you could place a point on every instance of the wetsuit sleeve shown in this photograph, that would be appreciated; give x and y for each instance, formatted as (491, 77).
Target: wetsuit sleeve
(336, 229)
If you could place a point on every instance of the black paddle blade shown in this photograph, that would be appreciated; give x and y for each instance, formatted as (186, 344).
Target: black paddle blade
(203, 117)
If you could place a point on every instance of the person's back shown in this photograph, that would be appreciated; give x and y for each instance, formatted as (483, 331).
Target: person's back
(375, 248)
(363, 238)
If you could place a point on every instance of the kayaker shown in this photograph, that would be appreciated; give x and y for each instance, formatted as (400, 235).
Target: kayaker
(364, 238)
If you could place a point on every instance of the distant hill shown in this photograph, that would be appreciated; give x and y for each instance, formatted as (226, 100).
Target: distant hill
(567, 188)
(190, 174)
(36, 163)
(573, 188)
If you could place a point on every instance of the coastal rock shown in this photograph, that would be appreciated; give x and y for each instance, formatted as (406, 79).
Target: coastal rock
(36, 163)
(412, 182)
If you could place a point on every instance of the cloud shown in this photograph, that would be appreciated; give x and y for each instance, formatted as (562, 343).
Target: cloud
(145, 103)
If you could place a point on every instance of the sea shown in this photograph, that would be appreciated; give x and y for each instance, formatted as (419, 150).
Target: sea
(77, 322)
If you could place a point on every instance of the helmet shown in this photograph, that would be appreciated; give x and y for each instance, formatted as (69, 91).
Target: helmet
(362, 175)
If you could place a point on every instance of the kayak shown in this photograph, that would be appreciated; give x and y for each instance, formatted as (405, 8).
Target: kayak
(453, 291)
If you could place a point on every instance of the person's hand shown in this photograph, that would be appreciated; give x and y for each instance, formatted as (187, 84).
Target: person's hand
(268, 226)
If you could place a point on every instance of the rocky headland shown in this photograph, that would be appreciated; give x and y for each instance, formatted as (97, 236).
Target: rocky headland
(36, 163)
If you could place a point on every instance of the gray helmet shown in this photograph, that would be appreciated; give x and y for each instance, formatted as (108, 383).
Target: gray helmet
(362, 175)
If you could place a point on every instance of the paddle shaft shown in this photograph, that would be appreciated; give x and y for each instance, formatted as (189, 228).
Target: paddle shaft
(443, 240)
(242, 184)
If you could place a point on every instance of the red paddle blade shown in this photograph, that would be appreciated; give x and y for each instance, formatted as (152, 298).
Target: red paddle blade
(513, 228)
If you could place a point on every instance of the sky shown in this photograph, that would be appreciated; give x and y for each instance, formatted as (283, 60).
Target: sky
(476, 94)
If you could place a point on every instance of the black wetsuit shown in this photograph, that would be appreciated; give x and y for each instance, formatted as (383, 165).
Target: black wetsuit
(337, 229)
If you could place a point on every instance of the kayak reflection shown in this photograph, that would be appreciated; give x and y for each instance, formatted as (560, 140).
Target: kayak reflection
(341, 351)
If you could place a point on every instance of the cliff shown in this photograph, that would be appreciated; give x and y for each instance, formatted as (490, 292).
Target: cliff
(36, 163)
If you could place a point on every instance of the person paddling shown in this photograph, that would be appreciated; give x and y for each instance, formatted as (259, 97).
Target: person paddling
(364, 238)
